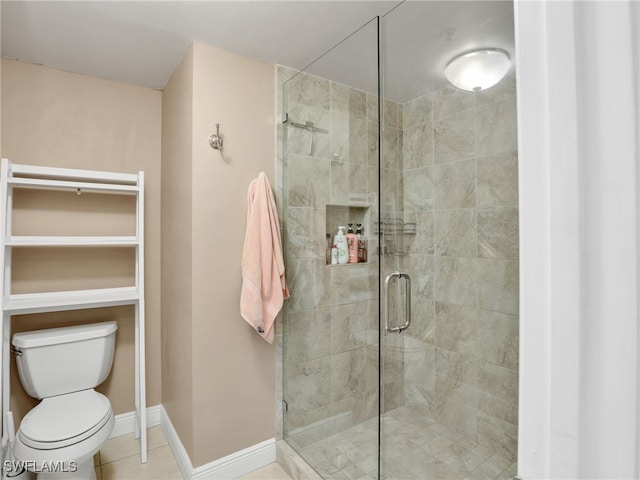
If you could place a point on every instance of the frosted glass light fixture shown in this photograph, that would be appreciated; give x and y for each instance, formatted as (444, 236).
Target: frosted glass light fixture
(478, 69)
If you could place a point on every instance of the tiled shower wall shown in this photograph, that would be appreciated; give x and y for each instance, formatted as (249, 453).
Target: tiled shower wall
(460, 188)
(450, 166)
(330, 322)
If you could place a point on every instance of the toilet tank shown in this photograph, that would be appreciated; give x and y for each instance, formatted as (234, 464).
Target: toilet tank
(66, 359)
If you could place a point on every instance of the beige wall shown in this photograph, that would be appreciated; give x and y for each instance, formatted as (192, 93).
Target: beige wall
(218, 375)
(234, 393)
(177, 331)
(210, 370)
(61, 119)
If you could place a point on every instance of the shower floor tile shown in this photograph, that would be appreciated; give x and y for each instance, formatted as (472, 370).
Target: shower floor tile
(414, 448)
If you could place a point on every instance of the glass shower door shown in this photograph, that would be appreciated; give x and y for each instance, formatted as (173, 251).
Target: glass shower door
(402, 364)
(449, 248)
(330, 180)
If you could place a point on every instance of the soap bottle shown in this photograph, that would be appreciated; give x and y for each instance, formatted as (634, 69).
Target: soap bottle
(340, 241)
(362, 246)
(334, 255)
(352, 241)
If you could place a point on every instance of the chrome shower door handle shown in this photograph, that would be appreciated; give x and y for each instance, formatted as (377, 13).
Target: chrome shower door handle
(407, 309)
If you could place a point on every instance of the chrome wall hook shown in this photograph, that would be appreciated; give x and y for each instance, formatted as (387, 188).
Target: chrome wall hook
(215, 139)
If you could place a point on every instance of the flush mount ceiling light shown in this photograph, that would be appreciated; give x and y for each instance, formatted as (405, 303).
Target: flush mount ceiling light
(478, 69)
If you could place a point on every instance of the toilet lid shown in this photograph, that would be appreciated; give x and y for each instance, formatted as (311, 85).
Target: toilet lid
(65, 419)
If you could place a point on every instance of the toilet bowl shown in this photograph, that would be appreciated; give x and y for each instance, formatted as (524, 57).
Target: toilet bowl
(58, 438)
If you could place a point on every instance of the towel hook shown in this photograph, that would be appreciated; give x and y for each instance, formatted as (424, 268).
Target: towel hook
(215, 139)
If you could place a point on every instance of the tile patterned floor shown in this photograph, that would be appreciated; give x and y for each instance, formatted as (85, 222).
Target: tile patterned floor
(418, 449)
(119, 459)
(270, 472)
(415, 448)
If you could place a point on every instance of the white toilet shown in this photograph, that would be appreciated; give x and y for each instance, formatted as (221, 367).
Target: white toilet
(58, 438)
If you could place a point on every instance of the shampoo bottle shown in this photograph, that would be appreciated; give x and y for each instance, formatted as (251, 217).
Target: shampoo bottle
(340, 241)
(362, 247)
(352, 241)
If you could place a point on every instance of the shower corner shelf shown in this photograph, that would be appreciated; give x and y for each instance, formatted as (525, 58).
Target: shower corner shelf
(395, 226)
(51, 178)
(333, 265)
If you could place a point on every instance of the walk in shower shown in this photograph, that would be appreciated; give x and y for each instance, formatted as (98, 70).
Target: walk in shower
(404, 363)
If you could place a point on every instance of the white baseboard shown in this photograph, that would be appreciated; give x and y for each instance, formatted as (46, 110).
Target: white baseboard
(125, 422)
(226, 468)
(239, 463)
(179, 453)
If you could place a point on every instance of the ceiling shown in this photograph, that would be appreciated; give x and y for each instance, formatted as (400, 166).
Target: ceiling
(141, 42)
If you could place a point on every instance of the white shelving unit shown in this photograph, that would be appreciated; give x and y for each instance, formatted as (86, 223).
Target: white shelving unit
(14, 176)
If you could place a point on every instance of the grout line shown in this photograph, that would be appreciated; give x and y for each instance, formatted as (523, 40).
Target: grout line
(134, 453)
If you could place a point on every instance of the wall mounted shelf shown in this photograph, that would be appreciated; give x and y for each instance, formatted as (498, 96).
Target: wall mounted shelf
(21, 304)
(73, 241)
(13, 176)
(395, 226)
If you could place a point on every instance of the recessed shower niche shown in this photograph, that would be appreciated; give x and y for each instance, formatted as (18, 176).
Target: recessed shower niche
(354, 217)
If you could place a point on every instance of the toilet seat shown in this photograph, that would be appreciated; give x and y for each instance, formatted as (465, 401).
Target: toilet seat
(64, 420)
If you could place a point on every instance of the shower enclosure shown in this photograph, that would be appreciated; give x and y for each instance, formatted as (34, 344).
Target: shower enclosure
(404, 364)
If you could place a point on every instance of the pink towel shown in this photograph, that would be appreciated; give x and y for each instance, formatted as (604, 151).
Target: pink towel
(264, 287)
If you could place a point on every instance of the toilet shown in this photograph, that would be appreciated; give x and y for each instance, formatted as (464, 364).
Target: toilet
(61, 366)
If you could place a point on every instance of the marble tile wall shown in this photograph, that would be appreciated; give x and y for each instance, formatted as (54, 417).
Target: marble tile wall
(330, 342)
(449, 165)
(461, 188)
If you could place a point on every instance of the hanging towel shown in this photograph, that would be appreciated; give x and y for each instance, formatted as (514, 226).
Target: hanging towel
(264, 287)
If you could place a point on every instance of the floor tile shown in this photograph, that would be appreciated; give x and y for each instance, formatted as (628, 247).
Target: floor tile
(272, 471)
(119, 459)
(410, 451)
(127, 445)
(160, 466)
